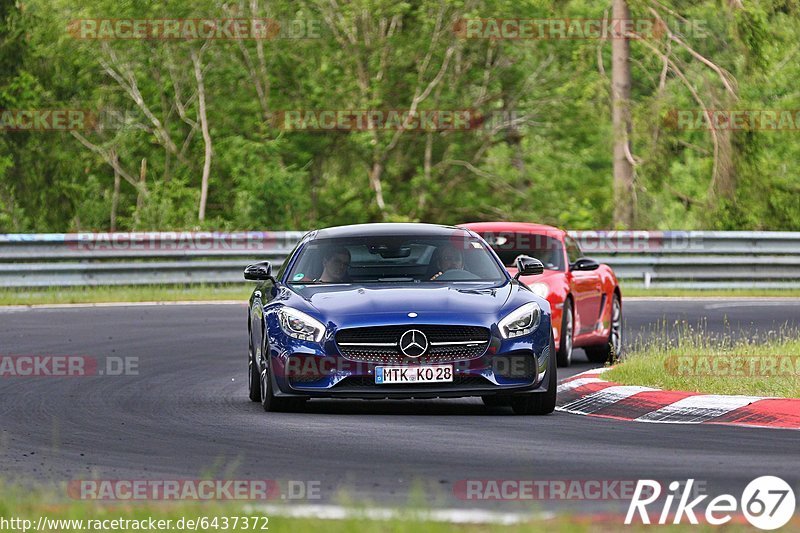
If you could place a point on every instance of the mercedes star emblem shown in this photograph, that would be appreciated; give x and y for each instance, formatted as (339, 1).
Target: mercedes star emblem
(413, 343)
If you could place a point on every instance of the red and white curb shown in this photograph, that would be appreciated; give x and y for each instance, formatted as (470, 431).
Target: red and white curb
(588, 394)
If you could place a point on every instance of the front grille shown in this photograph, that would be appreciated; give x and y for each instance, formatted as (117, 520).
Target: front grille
(361, 382)
(381, 344)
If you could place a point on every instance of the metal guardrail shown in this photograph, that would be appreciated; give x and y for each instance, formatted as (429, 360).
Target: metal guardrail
(698, 259)
(669, 259)
(138, 258)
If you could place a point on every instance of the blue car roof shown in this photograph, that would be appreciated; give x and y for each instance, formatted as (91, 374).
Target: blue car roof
(389, 228)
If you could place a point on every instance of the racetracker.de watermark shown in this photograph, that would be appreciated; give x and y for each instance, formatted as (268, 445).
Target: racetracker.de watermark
(392, 120)
(629, 241)
(547, 489)
(733, 365)
(193, 489)
(313, 367)
(734, 119)
(47, 120)
(16, 366)
(180, 241)
(577, 29)
(185, 29)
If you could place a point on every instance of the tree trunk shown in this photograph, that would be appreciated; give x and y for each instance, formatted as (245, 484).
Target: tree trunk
(114, 201)
(375, 182)
(624, 198)
(724, 185)
(201, 102)
(315, 178)
(427, 165)
(141, 189)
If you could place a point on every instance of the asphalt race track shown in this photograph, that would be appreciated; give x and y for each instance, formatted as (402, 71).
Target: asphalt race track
(186, 415)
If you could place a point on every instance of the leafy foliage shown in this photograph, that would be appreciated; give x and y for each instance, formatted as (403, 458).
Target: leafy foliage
(547, 158)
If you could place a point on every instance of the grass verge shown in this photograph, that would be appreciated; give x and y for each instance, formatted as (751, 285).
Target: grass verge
(135, 293)
(241, 291)
(700, 363)
(708, 293)
(24, 510)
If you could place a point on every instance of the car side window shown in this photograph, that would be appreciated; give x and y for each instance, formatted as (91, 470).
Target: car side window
(573, 250)
(285, 263)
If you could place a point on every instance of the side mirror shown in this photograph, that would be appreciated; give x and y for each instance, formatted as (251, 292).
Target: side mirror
(259, 271)
(584, 264)
(528, 266)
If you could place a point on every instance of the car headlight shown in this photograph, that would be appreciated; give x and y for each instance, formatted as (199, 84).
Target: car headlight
(540, 289)
(521, 321)
(299, 325)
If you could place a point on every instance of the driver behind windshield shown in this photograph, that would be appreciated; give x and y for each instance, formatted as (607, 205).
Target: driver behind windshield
(448, 258)
(335, 263)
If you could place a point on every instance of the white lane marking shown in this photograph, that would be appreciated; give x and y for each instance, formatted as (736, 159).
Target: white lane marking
(575, 383)
(794, 302)
(592, 403)
(16, 308)
(588, 373)
(695, 299)
(697, 409)
(452, 516)
(593, 373)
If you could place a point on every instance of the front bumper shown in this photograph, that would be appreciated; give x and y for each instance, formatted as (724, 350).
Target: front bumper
(311, 370)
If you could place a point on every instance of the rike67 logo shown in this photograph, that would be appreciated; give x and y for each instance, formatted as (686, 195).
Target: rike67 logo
(767, 502)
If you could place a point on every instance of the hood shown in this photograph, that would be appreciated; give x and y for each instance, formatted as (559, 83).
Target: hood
(391, 303)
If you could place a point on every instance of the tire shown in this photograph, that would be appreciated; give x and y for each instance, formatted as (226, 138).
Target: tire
(269, 401)
(609, 352)
(253, 385)
(540, 403)
(565, 343)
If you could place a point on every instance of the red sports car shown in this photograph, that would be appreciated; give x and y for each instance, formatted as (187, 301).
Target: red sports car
(584, 295)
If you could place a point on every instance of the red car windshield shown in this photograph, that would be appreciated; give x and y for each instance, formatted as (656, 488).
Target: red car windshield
(546, 249)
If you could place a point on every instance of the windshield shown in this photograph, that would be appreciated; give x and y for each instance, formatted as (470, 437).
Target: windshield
(546, 249)
(395, 258)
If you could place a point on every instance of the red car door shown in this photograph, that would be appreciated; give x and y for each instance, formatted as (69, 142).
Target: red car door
(586, 290)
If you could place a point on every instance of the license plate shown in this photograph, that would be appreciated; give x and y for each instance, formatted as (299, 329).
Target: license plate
(413, 374)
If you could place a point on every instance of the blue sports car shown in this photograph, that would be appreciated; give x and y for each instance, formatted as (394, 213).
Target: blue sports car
(398, 311)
